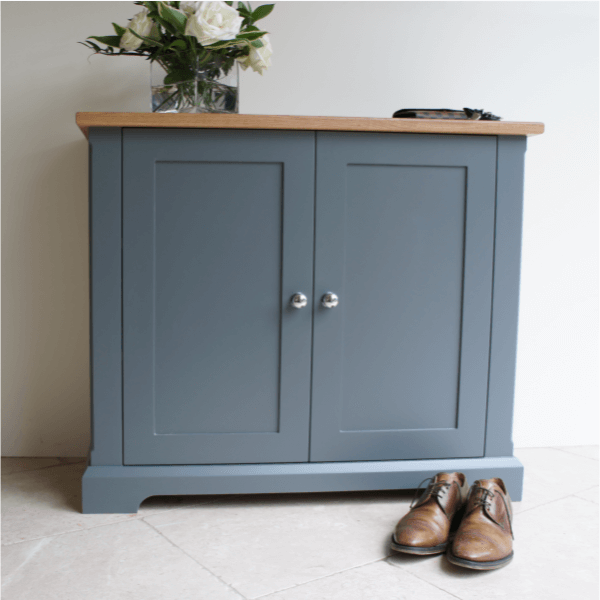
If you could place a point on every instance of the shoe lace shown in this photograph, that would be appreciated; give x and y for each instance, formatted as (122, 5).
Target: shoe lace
(436, 489)
(485, 499)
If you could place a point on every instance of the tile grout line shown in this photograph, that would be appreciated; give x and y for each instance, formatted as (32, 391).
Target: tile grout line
(292, 587)
(586, 500)
(556, 500)
(586, 489)
(193, 559)
(421, 579)
(54, 535)
(572, 453)
(40, 468)
(127, 519)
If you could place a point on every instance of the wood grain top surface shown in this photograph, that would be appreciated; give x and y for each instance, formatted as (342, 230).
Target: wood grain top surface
(85, 120)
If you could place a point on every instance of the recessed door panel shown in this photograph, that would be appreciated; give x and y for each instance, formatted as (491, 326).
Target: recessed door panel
(403, 268)
(218, 290)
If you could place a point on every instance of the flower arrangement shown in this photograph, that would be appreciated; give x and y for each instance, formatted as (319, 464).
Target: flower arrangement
(197, 47)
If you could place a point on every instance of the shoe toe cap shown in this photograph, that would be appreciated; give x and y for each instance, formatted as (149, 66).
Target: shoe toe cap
(417, 534)
(477, 547)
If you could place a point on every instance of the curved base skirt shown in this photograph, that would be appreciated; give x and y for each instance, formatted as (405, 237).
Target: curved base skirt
(121, 489)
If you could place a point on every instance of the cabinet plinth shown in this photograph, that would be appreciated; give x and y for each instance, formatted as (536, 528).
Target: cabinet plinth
(207, 378)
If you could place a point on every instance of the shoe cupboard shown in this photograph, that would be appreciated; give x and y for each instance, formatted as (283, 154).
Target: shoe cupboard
(300, 304)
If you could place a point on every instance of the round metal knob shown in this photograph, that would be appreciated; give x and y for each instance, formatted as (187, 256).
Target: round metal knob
(330, 300)
(299, 300)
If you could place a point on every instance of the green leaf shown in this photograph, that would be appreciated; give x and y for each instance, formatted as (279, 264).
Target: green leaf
(257, 44)
(91, 46)
(178, 75)
(229, 3)
(250, 36)
(109, 40)
(164, 23)
(151, 6)
(262, 11)
(148, 40)
(222, 44)
(119, 30)
(174, 17)
(251, 28)
(204, 60)
(178, 45)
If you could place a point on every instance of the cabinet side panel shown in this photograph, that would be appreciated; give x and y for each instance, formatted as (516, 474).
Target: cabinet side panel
(505, 299)
(105, 296)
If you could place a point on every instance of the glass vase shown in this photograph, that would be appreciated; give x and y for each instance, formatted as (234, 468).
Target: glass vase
(210, 88)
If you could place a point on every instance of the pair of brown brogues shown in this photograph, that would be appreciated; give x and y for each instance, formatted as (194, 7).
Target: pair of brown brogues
(472, 525)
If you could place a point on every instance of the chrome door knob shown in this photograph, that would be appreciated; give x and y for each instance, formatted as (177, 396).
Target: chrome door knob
(299, 300)
(330, 300)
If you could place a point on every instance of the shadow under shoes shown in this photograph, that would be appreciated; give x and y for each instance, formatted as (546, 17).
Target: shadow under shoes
(426, 528)
(484, 539)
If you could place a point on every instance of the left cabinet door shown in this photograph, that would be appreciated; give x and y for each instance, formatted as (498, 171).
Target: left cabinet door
(217, 237)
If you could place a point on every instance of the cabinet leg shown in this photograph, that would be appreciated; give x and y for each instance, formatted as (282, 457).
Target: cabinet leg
(114, 495)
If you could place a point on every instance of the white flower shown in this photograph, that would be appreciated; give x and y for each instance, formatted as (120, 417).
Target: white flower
(212, 22)
(142, 25)
(259, 58)
(189, 8)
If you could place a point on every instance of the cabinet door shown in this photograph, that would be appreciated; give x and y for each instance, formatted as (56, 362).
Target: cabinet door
(404, 237)
(217, 236)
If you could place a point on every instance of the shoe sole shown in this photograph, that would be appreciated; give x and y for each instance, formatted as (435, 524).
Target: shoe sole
(479, 566)
(416, 549)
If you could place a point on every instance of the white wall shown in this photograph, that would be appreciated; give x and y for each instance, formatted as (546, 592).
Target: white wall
(525, 61)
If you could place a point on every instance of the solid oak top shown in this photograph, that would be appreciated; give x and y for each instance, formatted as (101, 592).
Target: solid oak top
(85, 120)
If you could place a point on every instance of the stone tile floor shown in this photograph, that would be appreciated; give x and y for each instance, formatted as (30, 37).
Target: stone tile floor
(285, 547)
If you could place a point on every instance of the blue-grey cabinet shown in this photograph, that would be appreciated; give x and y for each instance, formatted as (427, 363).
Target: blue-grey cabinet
(395, 361)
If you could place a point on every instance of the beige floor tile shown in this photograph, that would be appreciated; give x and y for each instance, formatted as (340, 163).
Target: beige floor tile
(375, 581)
(47, 502)
(123, 561)
(587, 451)
(556, 558)
(591, 495)
(551, 474)
(12, 464)
(262, 544)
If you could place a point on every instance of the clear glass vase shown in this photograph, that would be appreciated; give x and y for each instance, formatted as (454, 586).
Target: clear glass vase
(212, 87)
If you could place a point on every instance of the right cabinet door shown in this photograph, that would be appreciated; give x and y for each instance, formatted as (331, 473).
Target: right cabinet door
(405, 239)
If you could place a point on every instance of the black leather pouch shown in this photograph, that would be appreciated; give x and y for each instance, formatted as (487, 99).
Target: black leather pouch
(467, 114)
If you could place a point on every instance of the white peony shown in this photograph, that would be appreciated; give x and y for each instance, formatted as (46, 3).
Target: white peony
(259, 59)
(213, 22)
(142, 25)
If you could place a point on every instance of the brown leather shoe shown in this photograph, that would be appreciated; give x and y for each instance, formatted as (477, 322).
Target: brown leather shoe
(484, 539)
(425, 529)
